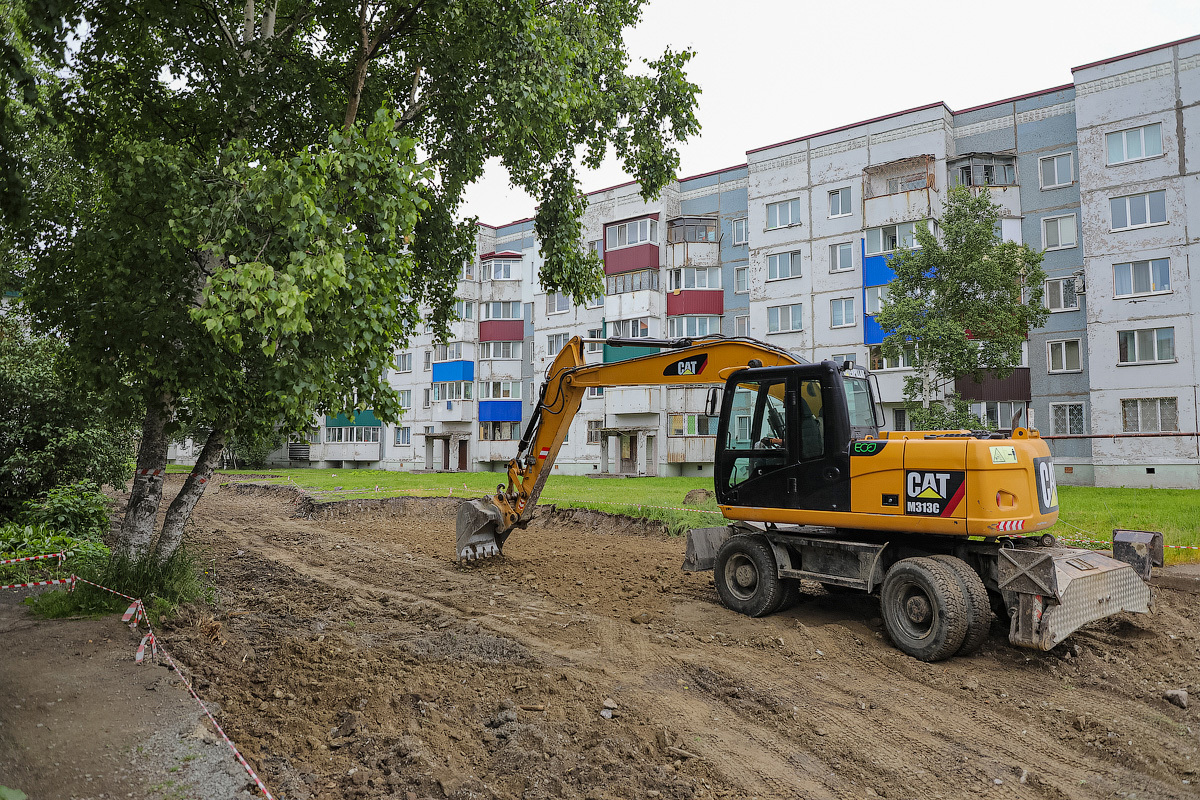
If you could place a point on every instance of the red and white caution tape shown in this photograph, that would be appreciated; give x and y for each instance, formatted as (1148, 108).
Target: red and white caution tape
(59, 556)
(1109, 544)
(55, 582)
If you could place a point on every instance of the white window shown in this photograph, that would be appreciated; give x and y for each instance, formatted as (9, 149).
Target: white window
(464, 309)
(555, 342)
(428, 395)
(504, 309)
(879, 362)
(1056, 171)
(740, 231)
(468, 271)
(448, 352)
(354, 433)
(876, 297)
(404, 362)
(595, 391)
(839, 203)
(892, 237)
(594, 347)
(499, 431)
(639, 231)
(741, 426)
(1150, 415)
(1138, 210)
(428, 360)
(691, 425)
(741, 326)
(1064, 356)
(781, 319)
(630, 328)
(741, 280)
(1066, 419)
(1061, 296)
(1058, 233)
(632, 281)
(557, 303)
(1003, 415)
(696, 278)
(1142, 277)
(499, 390)
(594, 427)
(1134, 144)
(841, 257)
(405, 398)
(842, 358)
(678, 327)
(452, 390)
(841, 314)
(783, 265)
(1146, 346)
(595, 301)
(403, 436)
(501, 269)
(781, 215)
(493, 351)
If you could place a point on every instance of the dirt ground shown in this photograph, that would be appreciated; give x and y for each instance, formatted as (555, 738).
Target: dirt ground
(351, 657)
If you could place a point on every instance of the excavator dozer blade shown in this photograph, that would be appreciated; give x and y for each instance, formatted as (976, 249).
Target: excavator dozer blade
(477, 529)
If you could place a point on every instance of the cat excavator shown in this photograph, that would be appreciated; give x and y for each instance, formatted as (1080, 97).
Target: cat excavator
(945, 526)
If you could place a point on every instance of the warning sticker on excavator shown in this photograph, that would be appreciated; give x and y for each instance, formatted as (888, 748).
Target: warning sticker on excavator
(933, 494)
(1004, 454)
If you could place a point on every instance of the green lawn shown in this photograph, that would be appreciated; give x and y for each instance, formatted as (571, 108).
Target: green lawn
(1086, 515)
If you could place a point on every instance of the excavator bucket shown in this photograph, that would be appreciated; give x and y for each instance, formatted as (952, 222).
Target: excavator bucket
(477, 528)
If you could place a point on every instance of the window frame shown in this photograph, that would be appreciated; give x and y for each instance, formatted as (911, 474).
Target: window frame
(682, 320)
(741, 321)
(557, 303)
(1149, 262)
(794, 259)
(842, 204)
(853, 319)
(741, 274)
(744, 224)
(1082, 417)
(793, 218)
(651, 233)
(791, 318)
(487, 309)
(511, 264)
(595, 426)
(1061, 295)
(1050, 370)
(1074, 232)
(1157, 414)
(1128, 198)
(835, 261)
(880, 294)
(404, 358)
(682, 273)
(1124, 133)
(1139, 361)
(487, 350)
(1070, 170)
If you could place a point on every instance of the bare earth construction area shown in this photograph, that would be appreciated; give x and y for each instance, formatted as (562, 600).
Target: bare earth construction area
(352, 657)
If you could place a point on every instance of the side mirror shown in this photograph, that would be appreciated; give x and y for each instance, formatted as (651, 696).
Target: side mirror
(712, 408)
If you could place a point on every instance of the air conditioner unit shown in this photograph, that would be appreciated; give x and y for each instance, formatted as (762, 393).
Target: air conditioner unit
(1080, 284)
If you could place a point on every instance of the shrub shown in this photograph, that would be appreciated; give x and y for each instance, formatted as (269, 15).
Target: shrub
(76, 509)
(85, 556)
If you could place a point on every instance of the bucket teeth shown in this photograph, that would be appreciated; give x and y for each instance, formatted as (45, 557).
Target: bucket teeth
(479, 551)
(477, 533)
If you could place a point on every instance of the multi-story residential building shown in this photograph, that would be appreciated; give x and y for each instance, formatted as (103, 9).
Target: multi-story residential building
(793, 247)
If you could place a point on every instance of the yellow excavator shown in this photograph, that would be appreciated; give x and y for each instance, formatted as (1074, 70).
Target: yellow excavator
(946, 526)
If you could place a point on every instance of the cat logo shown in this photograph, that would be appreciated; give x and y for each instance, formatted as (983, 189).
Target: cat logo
(933, 494)
(687, 366)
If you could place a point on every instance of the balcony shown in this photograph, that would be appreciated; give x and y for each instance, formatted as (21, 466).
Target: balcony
(351, 451)
(691, 449)
(453, 411)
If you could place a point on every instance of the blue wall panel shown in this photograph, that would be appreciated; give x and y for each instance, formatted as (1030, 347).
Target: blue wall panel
(454, 371)
(876, 271)
(499, 410)
(872, 333)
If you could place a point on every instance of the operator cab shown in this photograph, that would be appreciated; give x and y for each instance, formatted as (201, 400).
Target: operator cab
(784, 435)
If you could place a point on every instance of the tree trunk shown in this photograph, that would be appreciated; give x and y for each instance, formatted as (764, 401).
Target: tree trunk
(141, 513)
(180, 510)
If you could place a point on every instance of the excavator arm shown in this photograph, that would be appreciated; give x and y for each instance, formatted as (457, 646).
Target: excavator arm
(484, 525)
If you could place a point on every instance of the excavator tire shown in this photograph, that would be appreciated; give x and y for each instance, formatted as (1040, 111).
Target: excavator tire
(924, 608)
(747, 577)
(979, 606)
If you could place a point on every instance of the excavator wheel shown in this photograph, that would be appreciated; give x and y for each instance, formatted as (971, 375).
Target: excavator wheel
(747, 577)
(979, 606)
(924, 608)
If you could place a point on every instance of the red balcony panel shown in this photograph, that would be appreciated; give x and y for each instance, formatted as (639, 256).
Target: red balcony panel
(696, 301)
(502, 330)
(627, 259)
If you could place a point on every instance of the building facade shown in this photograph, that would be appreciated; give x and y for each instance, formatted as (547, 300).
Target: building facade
(792, 247)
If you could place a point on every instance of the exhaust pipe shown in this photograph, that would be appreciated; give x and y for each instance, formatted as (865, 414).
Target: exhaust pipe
(477, 530)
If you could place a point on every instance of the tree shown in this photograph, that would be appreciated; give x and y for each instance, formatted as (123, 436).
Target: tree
(962, 306)
(278, 211)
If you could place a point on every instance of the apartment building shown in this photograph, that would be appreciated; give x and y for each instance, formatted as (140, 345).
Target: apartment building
(793, 246)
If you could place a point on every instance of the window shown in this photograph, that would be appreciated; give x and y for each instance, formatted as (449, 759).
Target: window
(464, 309)
(594, 347)
(492, 351)
(879, 362)
(842, 358)
(899, 419)
(1064, 356)
(876, 297)
(1142, 277)
(1134, 144)
(352, 435)
(1066, 419)
(1150, 415)
(468, 271)
(428, 359)
(499, 431)
(405, 398)
(841, 313)
(404, 362)
(555, 342)
(783, 265)
(504, 309)
(428, 395)
(1145, 346)
(634, 281)
(741, 326)
(595, 301)
(1056, 171)
(781, 215)
(403, 436)
(557, 303)
(452, 390)
(741, 280)
(691, 425)
(595, 392)
(1058, 233)
(692, 229)
(785, 318)
(594, 426)
(839, 203)
(501, 269)
(447, 352)
(841, 257)
(499, 390)
(892, 237)
(740, 231)
(696, 278)
(631, 328)
(639, 231)
(986, 171)
(1138, 210)
(678, 327)
(1004, 415)
(1060, 295)
(908, 183)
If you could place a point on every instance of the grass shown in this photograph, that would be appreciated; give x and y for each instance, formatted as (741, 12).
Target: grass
(1087, 515)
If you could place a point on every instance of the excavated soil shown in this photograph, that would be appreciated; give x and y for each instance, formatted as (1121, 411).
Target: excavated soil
(351, 657)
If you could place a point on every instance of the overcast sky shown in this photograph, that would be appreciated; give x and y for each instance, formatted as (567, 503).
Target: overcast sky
(772, 70)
